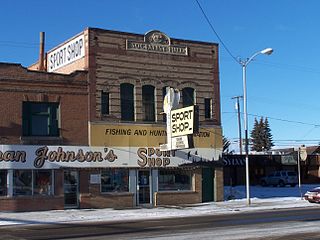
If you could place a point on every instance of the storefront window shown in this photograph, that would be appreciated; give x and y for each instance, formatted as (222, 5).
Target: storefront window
(175, 180)
(22, 182)
(42, 182)
(115, 180)
(3, 182)
(32, 182)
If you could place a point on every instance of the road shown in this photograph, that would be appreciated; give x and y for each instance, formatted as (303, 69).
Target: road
(276, 224)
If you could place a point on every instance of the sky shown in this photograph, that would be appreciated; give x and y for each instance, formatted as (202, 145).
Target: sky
(263, 199)
(282, 87)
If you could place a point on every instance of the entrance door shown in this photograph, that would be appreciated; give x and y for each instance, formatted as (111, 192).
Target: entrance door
(143, 187)
(71, 188)
(207, 184)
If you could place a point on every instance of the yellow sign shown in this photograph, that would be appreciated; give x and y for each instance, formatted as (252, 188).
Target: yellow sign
(143, 135)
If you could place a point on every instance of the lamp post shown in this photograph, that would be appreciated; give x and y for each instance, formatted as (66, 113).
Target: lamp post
(244, 64)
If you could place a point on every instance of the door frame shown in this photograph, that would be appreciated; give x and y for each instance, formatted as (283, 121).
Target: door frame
(149, 186)
(76, 205)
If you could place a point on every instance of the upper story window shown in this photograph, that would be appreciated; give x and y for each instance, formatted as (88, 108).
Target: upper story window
(40, 119)
(127, 101)
(208, 108)
(188, 97)
(148, 103)
(104, 102)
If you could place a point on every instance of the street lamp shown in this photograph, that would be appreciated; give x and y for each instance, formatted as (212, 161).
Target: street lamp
(244, 64)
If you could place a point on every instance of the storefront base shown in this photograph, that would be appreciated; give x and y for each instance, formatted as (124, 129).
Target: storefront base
(30, 203)
(118, 201)
(176, 198)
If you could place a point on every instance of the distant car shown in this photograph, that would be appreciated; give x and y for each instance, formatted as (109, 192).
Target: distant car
(313, 195)
(281, 178)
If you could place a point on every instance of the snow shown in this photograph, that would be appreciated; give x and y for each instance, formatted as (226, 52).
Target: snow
(262, 198)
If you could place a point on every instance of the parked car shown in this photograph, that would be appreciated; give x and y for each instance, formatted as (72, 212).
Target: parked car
(313, 195)
(281, 178)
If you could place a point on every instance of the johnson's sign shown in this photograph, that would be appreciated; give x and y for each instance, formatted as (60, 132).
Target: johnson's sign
(65, 54)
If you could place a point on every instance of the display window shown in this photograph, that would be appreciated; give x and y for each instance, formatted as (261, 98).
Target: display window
(42, 182)
(32, 182)
(3, 182)
(175, 180)
(115, 180)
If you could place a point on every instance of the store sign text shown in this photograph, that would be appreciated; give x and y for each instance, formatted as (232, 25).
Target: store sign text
(67, 53)
(182, 121)
(147, 47)
(13, 156)
(43, 154)
(153, 157)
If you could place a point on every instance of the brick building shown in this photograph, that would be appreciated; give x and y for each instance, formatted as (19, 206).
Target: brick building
(37, 108)
(120, 163)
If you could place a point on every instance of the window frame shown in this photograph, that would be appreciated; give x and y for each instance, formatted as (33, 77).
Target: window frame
(148, 103)
(180, 173)
(208, 108)
(112, 176)
(52, 115)
(188, 97)
(32, 192)
(127, 102)
(105, 102)
(4, 184)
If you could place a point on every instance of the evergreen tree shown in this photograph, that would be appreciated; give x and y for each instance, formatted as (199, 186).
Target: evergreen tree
(261, 136)
(255, 136)
(267, 135)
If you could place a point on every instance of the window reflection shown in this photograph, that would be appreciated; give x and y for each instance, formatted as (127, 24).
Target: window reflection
(115, 180)
(32, 182)
(3, 182)
(175, 180)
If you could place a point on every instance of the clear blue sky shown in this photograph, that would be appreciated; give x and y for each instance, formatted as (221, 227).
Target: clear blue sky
(284, 86)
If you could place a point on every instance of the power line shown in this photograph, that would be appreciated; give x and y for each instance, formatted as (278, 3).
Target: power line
(215, 32)
(280, 119)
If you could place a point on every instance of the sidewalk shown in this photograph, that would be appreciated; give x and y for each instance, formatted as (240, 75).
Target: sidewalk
(96, 215)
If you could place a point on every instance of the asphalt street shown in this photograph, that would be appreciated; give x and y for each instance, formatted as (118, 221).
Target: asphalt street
(177, 228)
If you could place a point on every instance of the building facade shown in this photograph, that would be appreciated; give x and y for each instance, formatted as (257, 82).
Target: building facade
(117, 162)
(37, 109)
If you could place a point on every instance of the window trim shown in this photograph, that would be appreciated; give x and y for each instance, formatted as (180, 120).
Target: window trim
(124, 102)
(52, 114)
(208, 108)
(104, 102)
(149, 105)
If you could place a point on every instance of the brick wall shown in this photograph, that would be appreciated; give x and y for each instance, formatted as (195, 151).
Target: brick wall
(31, 203)
(17, 84)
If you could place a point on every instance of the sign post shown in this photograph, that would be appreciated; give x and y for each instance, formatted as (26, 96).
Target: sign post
(302, 155)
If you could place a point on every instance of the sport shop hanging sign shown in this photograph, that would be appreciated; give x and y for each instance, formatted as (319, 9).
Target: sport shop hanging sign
(157, 42)
(65, 54)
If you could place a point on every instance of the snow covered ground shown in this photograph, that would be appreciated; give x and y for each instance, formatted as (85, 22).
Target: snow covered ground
(262, 198)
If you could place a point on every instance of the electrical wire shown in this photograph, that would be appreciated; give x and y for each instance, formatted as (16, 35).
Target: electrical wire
(215, 32)
(279, 119)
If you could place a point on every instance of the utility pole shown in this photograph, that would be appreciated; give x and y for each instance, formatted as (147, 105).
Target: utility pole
(239, 121)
